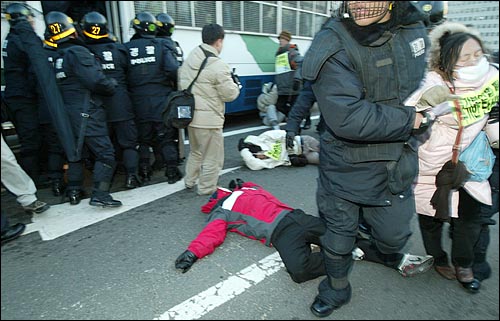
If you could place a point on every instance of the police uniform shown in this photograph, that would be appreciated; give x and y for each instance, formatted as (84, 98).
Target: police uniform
(152, 75)
(120, 114)
(81, 82)
(21, 98)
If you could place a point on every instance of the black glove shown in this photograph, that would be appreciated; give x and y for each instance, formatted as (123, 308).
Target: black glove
(296, 84)
(185, 261)
(290, 139)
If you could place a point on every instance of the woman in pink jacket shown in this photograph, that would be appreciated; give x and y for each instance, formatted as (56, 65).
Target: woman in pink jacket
(458, 66)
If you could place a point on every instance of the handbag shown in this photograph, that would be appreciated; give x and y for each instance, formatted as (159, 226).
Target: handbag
(180, 105)
(478, 158)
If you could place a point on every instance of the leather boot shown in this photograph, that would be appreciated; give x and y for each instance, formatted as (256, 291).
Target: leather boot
(75, 196)
(132, 181)
(58, 187)
(173, 174)
(101, 196)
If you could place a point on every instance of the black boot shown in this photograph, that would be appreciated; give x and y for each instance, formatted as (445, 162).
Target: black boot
(58, 187)
(74, 195)
(145, 173)
(173, 174)
(101, 196)
(132, 181)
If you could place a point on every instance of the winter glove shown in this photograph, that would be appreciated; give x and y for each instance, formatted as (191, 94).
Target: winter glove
(290, 138)
(296, 84)
(185, 261)
(434, 96)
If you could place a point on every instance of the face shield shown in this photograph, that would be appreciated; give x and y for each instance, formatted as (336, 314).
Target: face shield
(363, 13)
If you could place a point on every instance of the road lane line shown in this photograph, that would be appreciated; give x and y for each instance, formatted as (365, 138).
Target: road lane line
(64, 218)
(202, 303)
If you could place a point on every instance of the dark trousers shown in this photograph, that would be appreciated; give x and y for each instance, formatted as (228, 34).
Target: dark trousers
(157, 134)
(102, 148)
(25, 114)
(465, 233)
(285, 103)
(125, 136)
(292, 239)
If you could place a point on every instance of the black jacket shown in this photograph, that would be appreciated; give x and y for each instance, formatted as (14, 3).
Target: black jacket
(361, 91)
(81, 82)
(114, 62)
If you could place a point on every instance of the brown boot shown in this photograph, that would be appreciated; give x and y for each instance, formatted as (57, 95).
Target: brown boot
(446, 271)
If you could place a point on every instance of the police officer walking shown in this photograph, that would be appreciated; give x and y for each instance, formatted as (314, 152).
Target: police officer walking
(152, 75)
(21, 88)
(119, 110)
(81, 81)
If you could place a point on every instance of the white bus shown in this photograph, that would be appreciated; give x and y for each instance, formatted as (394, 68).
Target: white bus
(252, 28)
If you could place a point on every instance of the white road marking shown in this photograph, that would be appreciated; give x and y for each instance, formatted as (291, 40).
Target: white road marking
(200, 304)
(64, 218)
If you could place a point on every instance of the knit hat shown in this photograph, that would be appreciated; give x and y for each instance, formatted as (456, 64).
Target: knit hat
(285, 35)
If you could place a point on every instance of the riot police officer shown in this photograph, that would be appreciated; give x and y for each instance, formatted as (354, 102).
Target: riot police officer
(81, 82)
(119, 110)
(166, 26)
(21, 88)
(152, 75)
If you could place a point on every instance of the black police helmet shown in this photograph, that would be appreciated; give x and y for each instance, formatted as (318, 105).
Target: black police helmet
(16, 12)
(59, 26)
(166, 25)
(94, 25)
(145, 24)
(436, 11)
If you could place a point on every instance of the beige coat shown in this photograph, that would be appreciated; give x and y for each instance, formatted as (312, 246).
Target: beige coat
(213, 88)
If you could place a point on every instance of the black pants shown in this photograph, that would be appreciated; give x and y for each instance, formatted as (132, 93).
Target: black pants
(466, 230)
(292, 239)
(156, 133)
(25, 114)
(124, 134)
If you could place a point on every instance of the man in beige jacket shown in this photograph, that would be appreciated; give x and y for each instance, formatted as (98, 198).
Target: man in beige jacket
(214, 87)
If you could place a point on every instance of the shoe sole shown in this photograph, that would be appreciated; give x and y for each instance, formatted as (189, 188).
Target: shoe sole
(411, 270)
(38, 210)
(103, 205)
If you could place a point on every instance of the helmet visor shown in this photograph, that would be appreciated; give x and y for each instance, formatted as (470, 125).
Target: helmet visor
(360, 10)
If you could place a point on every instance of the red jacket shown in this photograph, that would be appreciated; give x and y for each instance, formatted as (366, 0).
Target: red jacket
(250, 211)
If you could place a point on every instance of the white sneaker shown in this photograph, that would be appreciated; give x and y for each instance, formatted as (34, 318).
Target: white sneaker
(411, 265)
(358, 254)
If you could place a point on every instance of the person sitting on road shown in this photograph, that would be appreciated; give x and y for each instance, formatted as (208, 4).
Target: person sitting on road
(269, 150)
(266, 103)
(248, 209)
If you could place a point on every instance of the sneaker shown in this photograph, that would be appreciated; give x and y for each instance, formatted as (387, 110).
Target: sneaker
(37, 207)
(411, 265)
(358, 254)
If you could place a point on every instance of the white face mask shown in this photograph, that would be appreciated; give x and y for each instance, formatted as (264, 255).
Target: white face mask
(474, 73)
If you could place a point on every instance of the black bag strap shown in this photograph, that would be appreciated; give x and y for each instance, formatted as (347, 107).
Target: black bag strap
(207, 54)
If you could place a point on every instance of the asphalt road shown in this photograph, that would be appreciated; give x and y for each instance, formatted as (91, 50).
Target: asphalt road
(81, 263)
